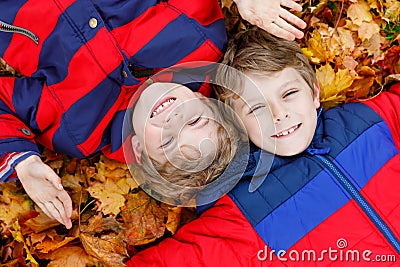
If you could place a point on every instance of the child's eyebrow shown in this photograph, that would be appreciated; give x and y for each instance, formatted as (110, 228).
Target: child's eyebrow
(287, 83)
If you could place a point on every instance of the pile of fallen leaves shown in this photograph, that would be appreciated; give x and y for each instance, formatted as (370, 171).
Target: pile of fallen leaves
(354, 47)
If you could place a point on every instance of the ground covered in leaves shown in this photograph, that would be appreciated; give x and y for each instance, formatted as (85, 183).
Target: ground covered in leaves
(354, 47)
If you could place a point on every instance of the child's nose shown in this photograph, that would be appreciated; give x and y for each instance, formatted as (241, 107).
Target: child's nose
(279, 112)
(173, 119)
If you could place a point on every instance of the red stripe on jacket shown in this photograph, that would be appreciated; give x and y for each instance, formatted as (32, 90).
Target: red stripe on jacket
(22, 54)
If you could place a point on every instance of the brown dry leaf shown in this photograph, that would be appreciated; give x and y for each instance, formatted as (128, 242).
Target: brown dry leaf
(13, 204)
(69, 256)
(361, 87)
(174, 219)
(367, 30)
(111, 194)
(359, 12)
(391, 60)
(349, 63)
(41, 222)
(332, 84)
(48, 241)
(103, 238)
(373, 46)
(346, 40)
(73, 184)
(144, 219)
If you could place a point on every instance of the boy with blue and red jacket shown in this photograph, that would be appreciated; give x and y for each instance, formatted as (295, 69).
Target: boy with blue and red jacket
(82, 62)
(330, 195)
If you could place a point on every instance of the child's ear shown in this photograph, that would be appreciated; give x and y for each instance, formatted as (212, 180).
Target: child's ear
(137, 149)
(316, 95)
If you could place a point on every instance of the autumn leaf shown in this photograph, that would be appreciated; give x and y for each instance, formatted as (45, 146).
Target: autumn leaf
(144, 219)
(48, 241)
(174, 216)
(367, 30)
(69, 256)
(13, 203)
(332, 84)
(359, 12)
(16, 233)
(111, 194)
(104, 239)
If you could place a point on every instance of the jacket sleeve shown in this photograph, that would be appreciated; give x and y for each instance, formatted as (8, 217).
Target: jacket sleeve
(19, 100)
(221, 236)
(387, 105)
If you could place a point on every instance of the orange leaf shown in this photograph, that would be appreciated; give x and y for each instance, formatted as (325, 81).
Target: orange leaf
(67, 256)
(144, 219)
(174, 219)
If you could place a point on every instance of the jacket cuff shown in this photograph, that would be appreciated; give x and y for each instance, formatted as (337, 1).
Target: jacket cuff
(8, 161)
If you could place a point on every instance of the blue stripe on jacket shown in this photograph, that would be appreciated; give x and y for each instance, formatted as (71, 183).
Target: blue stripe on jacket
(54, 66)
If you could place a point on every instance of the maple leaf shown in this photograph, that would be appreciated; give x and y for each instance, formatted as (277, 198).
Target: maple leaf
(367, 30)
(359, 12)
(332, 84)
(104, 239)
(144, 219)
(111, 194)
(13, 203)
(48, 241)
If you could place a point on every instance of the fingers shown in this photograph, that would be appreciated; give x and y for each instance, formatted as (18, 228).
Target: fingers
(292, 19)
(291, 4)
(56, 210)
(53, 178)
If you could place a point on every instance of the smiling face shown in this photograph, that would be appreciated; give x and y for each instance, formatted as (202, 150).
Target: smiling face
(169, 119)
(278, 111)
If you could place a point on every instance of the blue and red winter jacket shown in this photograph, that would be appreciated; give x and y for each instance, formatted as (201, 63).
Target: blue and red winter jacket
(82, 62)
(335, 204)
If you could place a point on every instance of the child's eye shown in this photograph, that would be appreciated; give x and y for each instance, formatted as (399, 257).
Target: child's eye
(168, 142)
(255, 108)
(290, 92)
(194, 121)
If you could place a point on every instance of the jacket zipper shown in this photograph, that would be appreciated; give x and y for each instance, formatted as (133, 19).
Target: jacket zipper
(361, 201)
(5, 27)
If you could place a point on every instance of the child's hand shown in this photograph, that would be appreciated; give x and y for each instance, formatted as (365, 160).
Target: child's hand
(44, 187)
(271, 16)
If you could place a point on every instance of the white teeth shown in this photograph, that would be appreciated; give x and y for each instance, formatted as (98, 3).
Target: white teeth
(162, 106)
(291, 130)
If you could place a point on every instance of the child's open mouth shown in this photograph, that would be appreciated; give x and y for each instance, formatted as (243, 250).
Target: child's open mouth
(162, 105)
(287, 131)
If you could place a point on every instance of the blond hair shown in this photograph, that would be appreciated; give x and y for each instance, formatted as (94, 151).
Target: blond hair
(171, 183)
(256, 50)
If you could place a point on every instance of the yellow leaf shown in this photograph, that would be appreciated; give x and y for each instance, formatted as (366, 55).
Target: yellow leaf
(111, 194)
(367, 30)
(174, 216)
(16, 233)
(333, 83)
(13, 203)
(359, 12)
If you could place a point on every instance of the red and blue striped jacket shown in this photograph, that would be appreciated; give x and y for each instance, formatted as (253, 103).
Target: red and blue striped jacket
(336, 204)
(82, 62)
